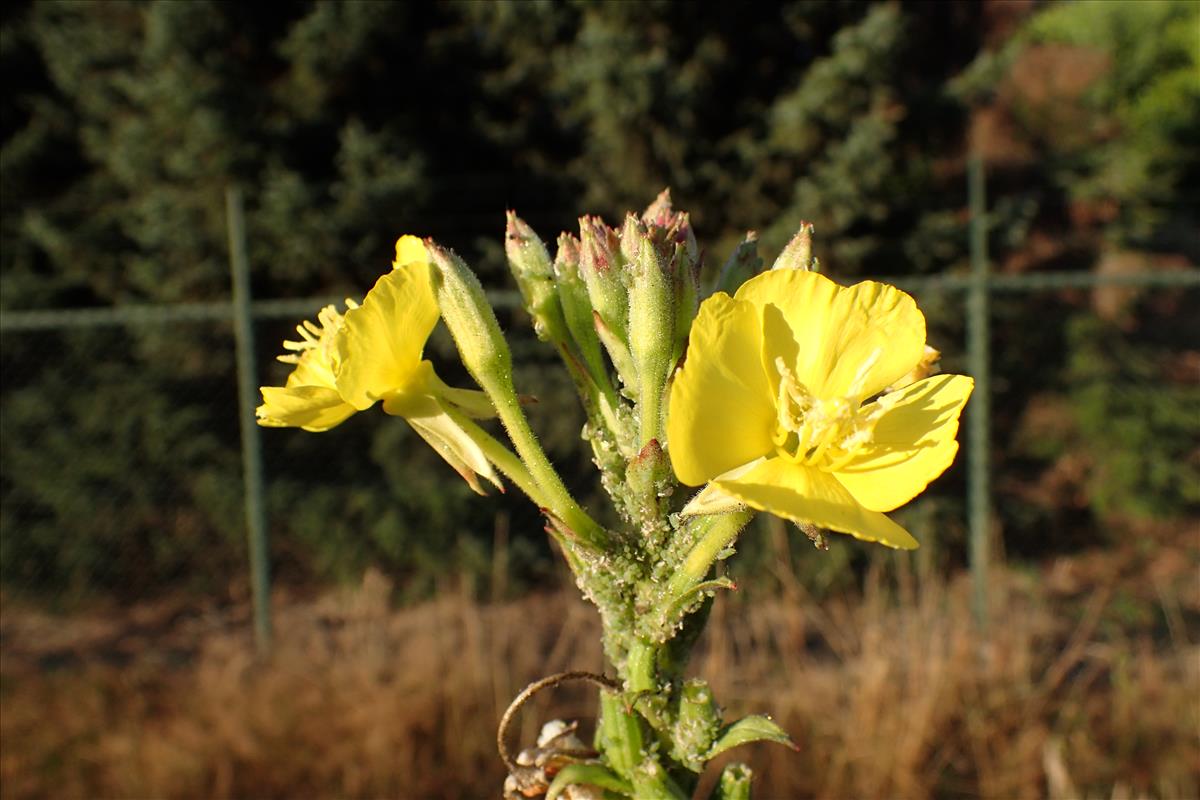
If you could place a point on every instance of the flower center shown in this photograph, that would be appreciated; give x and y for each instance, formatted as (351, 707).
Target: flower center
(315, 350)
(823, 432)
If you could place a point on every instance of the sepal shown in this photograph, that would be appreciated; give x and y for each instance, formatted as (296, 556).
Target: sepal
(471, 320)
(429, 418)
(534, 272)
(742, 265)
(798, 252)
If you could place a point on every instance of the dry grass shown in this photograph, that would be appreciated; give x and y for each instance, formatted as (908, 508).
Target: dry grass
(891, 694)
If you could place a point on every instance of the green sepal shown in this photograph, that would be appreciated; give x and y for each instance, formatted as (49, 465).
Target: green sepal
(742, 265)
(798, 252)
(604, 272)
(651, 332)
(618, 351)
(577, 310)
(531, 267)
(591, 774)
(754, 728)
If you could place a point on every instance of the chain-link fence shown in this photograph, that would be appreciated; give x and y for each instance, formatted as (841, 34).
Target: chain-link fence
(122, 470)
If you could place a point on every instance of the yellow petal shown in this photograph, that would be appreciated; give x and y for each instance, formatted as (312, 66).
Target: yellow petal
(913, 443)
(852, 341)
(313, 408)
(379, 346)
(722, 411)
(410, 250)
(806, 494)
(427, 417)
(313, 369)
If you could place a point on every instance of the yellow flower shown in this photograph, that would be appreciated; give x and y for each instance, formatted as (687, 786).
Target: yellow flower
(782, 405)
(372, 353)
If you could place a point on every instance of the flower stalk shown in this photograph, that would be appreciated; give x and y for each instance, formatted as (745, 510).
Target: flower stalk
(781, 392)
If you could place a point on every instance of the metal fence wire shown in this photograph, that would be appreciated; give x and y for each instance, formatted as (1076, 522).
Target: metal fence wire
(99, 499)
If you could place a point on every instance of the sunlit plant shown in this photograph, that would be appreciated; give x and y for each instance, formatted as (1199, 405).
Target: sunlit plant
(778, 391)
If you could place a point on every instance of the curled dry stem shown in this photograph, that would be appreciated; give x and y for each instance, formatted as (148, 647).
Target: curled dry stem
(529, 691)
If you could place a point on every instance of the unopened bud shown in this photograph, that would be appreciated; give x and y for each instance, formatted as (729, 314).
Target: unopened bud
(577, 307)
(675, 225)
(687, 296)
(631, 237)
(798, 253)
(601, 266)
(659, 212)
(471, 321)
(742, 265)
(651, 332)
(531, 266)
(648, 477)
(618, 351)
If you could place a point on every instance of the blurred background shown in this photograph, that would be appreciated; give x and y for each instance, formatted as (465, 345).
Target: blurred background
(406, 611)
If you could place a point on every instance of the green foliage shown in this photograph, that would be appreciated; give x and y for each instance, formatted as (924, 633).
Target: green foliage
(1140, 426)
(1127, 133)
(350, 123)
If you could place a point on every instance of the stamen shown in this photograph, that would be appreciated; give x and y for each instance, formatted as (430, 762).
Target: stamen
(823, 432)
(315, 336)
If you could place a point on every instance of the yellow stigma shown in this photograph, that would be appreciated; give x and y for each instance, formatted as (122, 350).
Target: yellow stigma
(817, 431)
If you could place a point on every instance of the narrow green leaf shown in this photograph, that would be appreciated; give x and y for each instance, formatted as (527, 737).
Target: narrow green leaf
(749, 729)
(591, 774)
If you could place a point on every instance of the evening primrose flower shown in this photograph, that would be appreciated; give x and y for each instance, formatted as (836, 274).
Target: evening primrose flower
(371, 353)
(781, 404)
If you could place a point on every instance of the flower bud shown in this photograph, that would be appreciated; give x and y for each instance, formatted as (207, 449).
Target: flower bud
(677, 225)
(630, 238)
(618, 351)
(798, 253)
(651, 329)
(577, 308)
(471, 321)
(742, 265)
(530, 265)
(602, 268)
(649, 479)
(686, 269)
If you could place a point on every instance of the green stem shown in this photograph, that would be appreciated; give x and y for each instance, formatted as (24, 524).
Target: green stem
(504, 459)
(717, 534)
(641, 674)
(650, 411)
(620, 734)
(558, 499)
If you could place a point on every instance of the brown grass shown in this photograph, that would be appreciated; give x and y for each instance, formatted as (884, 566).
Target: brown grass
(890, 694)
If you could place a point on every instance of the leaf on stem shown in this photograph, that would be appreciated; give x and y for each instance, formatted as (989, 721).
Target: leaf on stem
(754, 728)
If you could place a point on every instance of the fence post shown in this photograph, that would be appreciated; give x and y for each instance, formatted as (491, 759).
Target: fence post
(978, 411)
(243, 327)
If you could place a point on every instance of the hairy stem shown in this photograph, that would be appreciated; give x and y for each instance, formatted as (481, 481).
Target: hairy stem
(719, 534)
